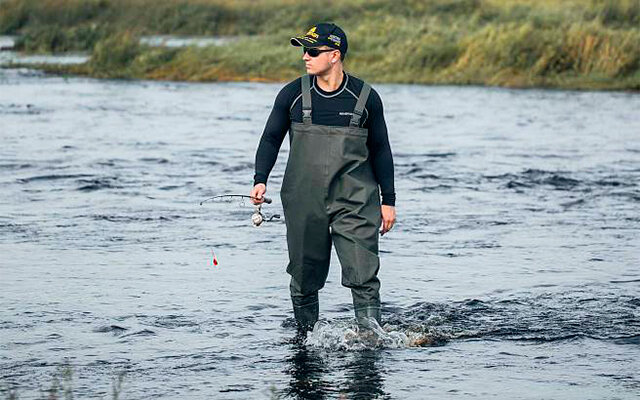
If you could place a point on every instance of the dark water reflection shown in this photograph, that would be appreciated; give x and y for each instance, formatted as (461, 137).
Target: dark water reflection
(310, 374)
(307, 371)
(365, 377)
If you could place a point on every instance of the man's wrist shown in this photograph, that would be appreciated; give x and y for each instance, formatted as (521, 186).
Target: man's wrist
(389, 199)
(259, 178)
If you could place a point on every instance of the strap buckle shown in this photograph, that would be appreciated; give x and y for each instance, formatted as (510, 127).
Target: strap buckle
(355, 118)
(306, 114)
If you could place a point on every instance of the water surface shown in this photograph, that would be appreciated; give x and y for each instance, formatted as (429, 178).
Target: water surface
(512, 271)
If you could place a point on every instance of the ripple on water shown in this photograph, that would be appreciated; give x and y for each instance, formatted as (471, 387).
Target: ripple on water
(53, 177)
(116, 330)
(91, 185)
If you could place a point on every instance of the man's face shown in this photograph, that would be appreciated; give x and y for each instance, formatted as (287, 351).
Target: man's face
(323, 62)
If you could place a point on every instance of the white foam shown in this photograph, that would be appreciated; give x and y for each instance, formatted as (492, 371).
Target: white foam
(346, 335)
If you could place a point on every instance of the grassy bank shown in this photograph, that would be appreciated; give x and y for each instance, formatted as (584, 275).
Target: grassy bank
(589, 44)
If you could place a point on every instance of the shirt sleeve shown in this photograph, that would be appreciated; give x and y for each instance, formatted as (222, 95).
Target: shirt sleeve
(380, 149)
(274, 132)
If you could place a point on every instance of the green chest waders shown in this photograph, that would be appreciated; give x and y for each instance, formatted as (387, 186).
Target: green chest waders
(329, 194)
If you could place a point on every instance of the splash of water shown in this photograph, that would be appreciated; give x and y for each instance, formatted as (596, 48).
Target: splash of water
(347, 335)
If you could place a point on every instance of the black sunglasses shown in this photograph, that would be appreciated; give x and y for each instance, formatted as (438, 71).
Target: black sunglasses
(314, 52)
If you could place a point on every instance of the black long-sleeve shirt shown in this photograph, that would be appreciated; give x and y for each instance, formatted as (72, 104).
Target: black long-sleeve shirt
(329, 108)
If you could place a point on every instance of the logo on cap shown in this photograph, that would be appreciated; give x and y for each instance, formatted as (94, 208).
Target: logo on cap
(335, 39)
(312, 33)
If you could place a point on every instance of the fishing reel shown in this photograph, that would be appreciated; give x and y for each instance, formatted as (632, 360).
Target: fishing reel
(257, 218)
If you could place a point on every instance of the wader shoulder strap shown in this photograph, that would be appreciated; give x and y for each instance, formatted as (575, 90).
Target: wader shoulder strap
(306, 99)
(362, 100)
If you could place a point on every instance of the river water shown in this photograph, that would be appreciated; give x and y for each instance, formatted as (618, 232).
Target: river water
(512, 272)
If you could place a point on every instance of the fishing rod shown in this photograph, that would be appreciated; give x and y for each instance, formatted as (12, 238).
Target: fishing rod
(257, 218)
(266, 199)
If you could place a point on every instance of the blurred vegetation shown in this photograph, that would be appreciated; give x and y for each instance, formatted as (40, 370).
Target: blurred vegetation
(523, 43)
(62, 385)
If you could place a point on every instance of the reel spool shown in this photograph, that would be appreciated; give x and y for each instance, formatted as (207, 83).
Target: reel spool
(257, 217)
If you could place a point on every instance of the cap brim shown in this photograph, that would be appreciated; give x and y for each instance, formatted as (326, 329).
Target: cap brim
(303, 41)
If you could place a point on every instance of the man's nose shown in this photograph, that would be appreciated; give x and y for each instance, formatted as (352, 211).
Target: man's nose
(306, 56)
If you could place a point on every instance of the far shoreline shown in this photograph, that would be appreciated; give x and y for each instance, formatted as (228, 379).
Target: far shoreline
(81, 70)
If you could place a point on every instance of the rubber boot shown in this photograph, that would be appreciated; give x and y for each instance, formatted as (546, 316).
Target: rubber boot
(364, 314)
(305, 310)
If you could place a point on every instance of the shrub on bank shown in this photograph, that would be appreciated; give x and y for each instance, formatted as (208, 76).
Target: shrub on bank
(112, 57)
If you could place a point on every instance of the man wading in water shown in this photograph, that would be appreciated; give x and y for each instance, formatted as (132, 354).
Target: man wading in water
(339, 155)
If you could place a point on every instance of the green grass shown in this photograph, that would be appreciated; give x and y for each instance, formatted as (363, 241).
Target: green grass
(586, 44)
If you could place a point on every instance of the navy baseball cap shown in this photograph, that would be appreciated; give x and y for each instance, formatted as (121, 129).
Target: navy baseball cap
(323, 34)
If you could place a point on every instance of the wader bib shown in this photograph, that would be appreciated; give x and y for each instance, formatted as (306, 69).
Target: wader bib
(329, 194)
